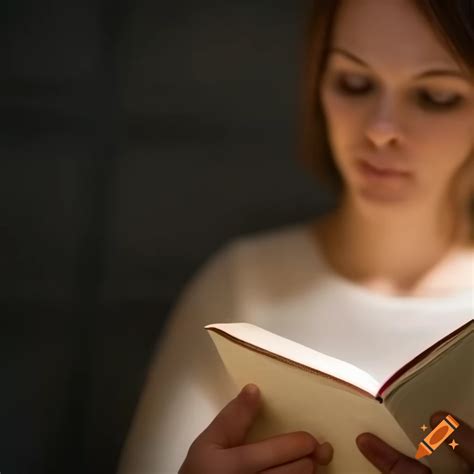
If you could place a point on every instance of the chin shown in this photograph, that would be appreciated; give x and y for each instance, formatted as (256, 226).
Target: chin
(383, 192)
(372, 201)
(377, 196)
(372, 188)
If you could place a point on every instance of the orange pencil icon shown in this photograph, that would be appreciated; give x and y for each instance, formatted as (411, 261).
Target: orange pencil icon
(437, 435)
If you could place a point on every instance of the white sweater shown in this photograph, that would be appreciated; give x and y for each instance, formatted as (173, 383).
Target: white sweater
(278, 280)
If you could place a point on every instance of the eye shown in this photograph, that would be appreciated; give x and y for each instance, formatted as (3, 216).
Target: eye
(440, 100)
(355, 85)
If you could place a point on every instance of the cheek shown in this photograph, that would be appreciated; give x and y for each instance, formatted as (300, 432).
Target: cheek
(343, 119)
(443, 141)
(339, 109)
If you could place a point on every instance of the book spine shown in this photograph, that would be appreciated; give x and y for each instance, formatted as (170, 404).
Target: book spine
(399, 373)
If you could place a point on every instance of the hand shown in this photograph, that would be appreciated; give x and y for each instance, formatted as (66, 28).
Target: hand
(391, 461)
(220, 447)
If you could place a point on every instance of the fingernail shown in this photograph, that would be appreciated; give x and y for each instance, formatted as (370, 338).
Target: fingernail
(437, 417)
(325, 453)
(372, 446)
(362, 440)
(250, 390)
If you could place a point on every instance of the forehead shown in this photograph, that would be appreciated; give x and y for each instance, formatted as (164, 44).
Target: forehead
(389, 34)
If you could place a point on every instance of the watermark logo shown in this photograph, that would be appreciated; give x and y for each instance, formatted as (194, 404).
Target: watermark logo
(436, 436)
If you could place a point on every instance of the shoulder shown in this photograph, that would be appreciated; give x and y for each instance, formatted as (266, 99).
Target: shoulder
(260, 245)
(261, 251)
(253, 268)
(269, 249)
(269, 262)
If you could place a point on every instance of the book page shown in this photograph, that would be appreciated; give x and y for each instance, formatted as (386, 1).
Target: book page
(297, 400)
(423, 359)
(446, 383)
(260, 338)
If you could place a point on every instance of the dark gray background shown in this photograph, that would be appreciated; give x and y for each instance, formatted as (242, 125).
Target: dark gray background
(136, 138)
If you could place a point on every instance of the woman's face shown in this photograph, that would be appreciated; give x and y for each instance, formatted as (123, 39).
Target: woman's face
(399, 131)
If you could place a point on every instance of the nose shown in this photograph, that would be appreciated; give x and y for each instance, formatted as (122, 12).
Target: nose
(383, 127)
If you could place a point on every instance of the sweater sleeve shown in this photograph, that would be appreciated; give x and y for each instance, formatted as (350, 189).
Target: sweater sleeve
(186, 384)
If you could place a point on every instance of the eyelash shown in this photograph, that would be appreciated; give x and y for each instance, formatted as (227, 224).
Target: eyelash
(423, 96)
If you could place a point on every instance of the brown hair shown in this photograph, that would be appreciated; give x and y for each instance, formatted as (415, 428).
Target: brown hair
(452, 21)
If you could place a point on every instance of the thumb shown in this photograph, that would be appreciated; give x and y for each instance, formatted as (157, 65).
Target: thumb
(464, 435)
(230, 426)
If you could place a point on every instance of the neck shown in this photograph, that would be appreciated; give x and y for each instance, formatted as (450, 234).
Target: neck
(393, 247)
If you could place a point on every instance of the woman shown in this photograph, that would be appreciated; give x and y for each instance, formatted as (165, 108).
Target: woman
(390, 121)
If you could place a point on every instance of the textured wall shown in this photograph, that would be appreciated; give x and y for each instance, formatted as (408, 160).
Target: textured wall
(135, 139)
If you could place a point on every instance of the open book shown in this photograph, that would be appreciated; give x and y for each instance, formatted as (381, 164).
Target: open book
(305, 390)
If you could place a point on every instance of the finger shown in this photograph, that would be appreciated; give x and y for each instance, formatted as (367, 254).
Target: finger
(323, 454)
(387, 459)
(233, 422)
(464, 435)
(274, 451)
(301, 466)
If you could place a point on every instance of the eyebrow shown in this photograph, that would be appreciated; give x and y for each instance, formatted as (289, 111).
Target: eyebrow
(431, 73)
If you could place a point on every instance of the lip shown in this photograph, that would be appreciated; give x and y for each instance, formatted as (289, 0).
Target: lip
(375, 168)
